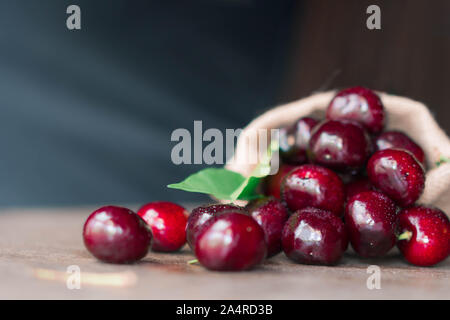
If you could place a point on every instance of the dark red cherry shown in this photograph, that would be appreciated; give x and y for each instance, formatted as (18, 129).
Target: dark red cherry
(399, 140)
(358, 104)
(116, 235)
(200, 215)
(167, 221)
(314, 236)
(231, 241)
(357, 186)
(294, 141)
(398, 174)
(272, 184)
(313, 186)
(341, 145)
(271, 215)
(424, 235)
(370, 218)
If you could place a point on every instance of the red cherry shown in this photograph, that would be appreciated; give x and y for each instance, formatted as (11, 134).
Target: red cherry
(200, 215)
(370, 218)
(424, 235)
(399, 140)
(167, 221)
(231, 241)
(116, 235)
(358, 104)
(340, 145)
(272, 184)
(357, 186)
(294, 141)
(313, 186)
(397, 174)
(271, 215)
(314, 236)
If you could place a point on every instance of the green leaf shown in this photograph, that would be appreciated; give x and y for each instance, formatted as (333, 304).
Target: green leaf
(246, 191)
(218, 182)
(225, 184)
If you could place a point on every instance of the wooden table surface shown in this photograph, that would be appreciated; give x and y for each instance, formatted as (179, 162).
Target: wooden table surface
(37, 247)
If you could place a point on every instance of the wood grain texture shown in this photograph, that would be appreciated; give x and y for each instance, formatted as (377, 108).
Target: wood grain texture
(37, 246)
(409, 56)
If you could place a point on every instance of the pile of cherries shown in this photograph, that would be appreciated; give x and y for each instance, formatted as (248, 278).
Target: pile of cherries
(341, 180)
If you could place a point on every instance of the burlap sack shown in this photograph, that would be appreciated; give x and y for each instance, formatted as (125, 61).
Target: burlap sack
(403, 114)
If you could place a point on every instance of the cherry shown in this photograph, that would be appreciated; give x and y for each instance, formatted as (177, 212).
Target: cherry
(271, 215)
(272, 184)
(294, 141)
(340, 145)
(167, 221)
(313, 186)
(424, 235)
(314, 236)
(358, 104)
(231, 241)
(370, 218)
(397, 174)
(200, 215)
(116, 235)
(357, 186)
(399, 140)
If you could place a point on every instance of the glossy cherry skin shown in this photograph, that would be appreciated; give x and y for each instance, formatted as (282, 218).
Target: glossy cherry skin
(398, 174)
(231, 241)
(340, 145)
(357, 186)
(313, 186)
(272, 184)
(314, 236)
(399, 140)
(294, 141)
(200, 215)
(116, 235)
(167, 221)
(271, 215)
(358, 104)
(370, 218)
(427, 232)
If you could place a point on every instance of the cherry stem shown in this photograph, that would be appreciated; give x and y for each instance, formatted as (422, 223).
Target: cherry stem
(405, 235)
(192, 261)
(442, 160)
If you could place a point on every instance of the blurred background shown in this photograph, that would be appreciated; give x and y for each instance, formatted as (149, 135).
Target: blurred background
(86, 116)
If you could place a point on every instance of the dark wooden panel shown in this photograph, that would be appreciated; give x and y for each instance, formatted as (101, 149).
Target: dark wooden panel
(409, 56)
